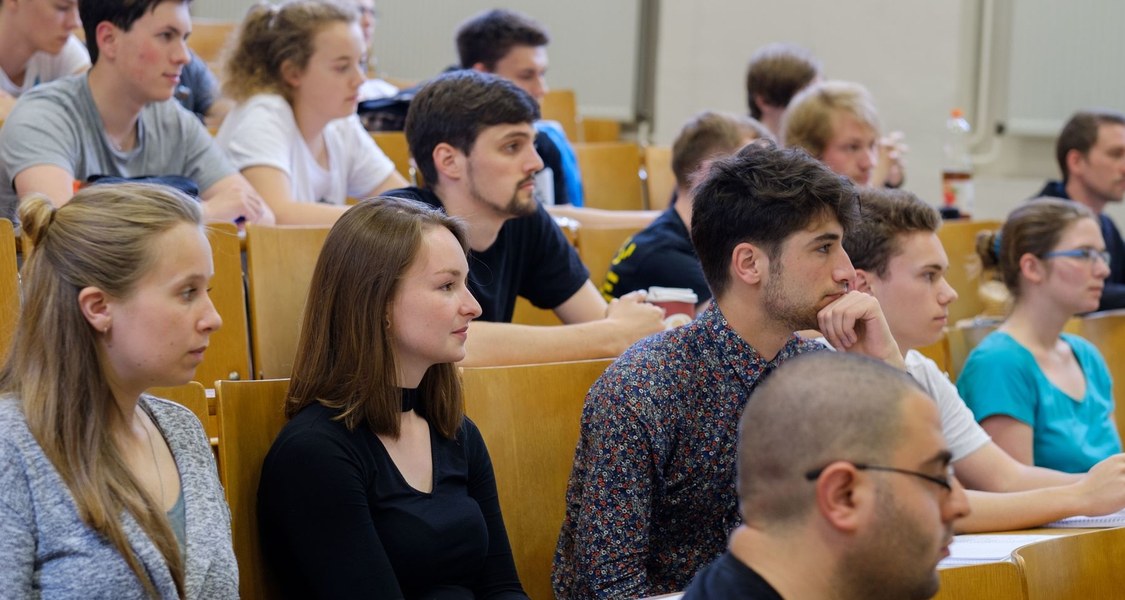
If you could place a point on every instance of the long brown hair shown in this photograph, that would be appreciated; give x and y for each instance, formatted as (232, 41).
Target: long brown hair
(345, 359)
(102, 238)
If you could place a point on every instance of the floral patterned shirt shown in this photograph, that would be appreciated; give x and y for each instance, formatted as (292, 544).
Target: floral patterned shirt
(652, 498)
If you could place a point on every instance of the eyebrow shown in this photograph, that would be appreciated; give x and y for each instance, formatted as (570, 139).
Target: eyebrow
(942, 457)
(516, 134)
(828, 236)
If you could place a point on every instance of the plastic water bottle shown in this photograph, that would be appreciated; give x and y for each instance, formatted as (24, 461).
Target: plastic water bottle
(957, 172)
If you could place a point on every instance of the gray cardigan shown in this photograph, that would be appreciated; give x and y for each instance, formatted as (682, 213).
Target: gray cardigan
(49, 552)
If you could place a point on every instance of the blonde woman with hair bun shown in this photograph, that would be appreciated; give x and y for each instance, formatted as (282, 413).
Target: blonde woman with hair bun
(108, 491)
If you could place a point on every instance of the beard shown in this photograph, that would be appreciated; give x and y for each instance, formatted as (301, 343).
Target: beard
(514, 207)
(783, 304)
(896, 559)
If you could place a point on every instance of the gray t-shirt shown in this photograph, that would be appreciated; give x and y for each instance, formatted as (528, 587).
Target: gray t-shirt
(59, 124)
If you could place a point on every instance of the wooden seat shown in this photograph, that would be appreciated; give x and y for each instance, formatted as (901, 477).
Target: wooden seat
(660, 181)
(989, 581)
(962, 338)
(192, 396)
(599, 130)
(395, 146)
(1106, 330)
(209, 38)
(599, 246)
(611, 175)
(561, 106)
(251, 413)
(228, 355)
(960, 241)
(9, 288)
(529, 417)
(1075, 567)
(280, 263)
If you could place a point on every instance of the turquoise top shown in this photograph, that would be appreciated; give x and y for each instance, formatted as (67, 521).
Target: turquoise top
(1001, 377)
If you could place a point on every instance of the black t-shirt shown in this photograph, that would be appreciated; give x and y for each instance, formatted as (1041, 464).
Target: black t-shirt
(728, 579)
(530, 258)
(337, 519)
(660, 254)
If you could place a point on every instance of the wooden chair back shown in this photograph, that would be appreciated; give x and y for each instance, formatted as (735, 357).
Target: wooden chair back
(250, 417)
(228, 355)
(599, 130)
(660, 181)
(192, 396)
(599, 246)
(529, 417)
(395, 146)
(962, 338)
(1106, 330)
(209, 38)
(988, 581)
(1075, 567)
(561, 106)
(611, 175)
(9, 288)
(279, 264)
(960, 241)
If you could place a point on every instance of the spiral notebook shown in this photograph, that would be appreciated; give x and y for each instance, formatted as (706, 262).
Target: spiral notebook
(1116, 519)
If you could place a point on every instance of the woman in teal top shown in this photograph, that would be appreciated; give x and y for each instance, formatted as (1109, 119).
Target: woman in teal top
(1045, 397)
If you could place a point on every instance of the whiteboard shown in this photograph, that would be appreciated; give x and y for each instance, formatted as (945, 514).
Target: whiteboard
(1065, 57)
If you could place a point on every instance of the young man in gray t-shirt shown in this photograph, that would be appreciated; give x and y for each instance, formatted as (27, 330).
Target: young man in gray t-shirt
(120, 118)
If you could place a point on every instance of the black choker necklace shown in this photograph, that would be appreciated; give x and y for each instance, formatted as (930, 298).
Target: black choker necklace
(409, 399)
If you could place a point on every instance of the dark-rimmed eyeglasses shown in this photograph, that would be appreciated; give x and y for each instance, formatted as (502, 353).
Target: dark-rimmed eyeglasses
(1087, 254)
(945, 482)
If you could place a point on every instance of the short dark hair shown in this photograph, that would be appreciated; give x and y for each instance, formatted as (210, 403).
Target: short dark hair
(763, 195)
(455, 107)
(1081, 133)
(122, 13)
(885, 214)
(708, 134)
(489, 36)
(776, 73)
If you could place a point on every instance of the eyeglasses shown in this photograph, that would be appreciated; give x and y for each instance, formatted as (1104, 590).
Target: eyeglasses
(945, 482)
(1087, 254)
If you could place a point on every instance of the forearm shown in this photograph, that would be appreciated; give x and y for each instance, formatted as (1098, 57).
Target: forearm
(1018, 510)
(288, 212)
(493, 344)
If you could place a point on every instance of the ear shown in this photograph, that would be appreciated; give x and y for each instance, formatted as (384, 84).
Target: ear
(864, 281)
(290, 74)
(842, 498)
(762, 103)
(1074, 160)
(95, 306)
(480, 68)
(449, 161)
(1031, 268)
(107, 34)
(749, 263)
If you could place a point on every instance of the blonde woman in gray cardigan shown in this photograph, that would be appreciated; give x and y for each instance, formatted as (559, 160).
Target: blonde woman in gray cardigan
(106, 492)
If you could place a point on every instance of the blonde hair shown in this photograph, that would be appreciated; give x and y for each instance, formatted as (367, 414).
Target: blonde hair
(272, 35)
(808, 122)
(102, 238)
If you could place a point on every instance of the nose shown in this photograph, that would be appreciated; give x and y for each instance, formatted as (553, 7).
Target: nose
(844, 272)
(947, 294)
(956, 504)
(541, 88)
(869, 157)
(181, 53)
(534, 161)
(1101, 268)
(211, 321)
(73, 21)
(470, 306)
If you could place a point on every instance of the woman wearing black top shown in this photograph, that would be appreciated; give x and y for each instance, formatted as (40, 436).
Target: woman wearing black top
(379, 487)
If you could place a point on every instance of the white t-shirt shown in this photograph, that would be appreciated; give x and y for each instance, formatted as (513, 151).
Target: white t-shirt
(262, 132)
(43, 67)
(958, 426)
(961, 430)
